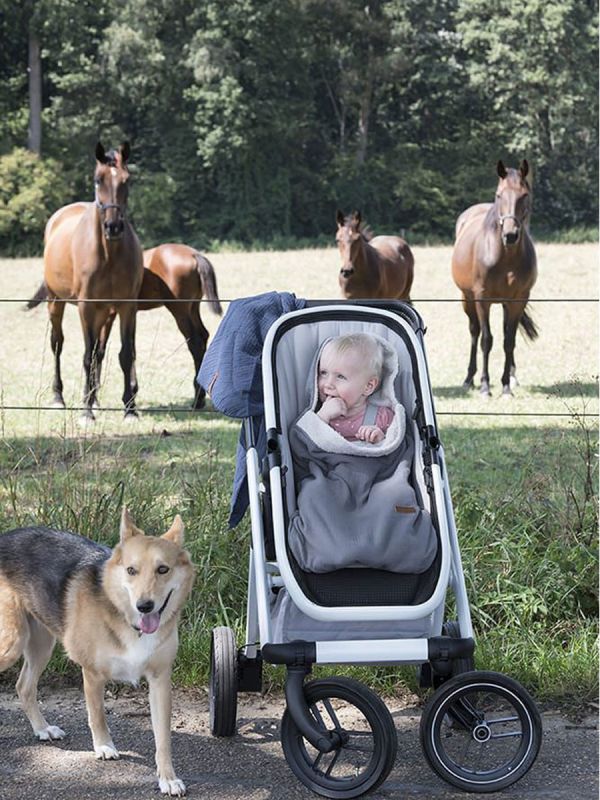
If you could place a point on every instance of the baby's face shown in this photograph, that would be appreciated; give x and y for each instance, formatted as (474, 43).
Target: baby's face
(344, 375)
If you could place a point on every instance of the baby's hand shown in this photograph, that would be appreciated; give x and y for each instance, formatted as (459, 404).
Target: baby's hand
(332, 407)
(370, 433)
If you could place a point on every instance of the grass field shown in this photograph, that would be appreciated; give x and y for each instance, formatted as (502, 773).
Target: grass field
(524, 487)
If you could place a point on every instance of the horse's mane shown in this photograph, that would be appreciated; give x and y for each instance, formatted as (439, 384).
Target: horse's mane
(365, 230)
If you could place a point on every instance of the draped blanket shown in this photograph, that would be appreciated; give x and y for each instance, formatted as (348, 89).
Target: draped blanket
(355, 504)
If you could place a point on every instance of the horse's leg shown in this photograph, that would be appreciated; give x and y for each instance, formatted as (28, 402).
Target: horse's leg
(487, 340)
(101, 347)
(196, 336)
(127, 320)
(56, 310)
(91, 326)
(512, 315)
(474, 328)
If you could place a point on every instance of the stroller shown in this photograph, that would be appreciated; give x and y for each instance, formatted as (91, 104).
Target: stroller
(479, 730)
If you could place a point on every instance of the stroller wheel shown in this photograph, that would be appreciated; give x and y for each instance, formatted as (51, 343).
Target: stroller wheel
(223, 682)
(481, 731)
(368, 744)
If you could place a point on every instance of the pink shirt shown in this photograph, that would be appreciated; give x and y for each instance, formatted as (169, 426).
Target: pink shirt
(348, 426)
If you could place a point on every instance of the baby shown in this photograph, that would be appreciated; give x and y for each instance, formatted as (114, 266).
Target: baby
(349, 372)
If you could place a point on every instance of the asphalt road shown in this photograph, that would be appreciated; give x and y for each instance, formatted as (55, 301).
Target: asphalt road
(250, 766)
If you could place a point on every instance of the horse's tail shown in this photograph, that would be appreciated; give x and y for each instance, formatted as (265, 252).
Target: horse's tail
(38, 297)
(208, 280)
(529, 326)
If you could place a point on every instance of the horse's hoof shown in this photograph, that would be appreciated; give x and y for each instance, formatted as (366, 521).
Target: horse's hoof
(507, 393)
(467, 385)
(86, 419)
(131, 416)
(485, 392)
(57, 403)
(513, 382)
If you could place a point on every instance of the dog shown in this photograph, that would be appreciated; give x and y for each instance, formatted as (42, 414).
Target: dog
(115, 612)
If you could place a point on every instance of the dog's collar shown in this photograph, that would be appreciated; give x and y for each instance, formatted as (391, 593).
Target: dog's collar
(160, 611)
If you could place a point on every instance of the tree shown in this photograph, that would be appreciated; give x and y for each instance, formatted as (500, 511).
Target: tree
(535, 63)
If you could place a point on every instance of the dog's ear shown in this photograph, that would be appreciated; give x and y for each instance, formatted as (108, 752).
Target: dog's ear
(175, 532)
(128, 529)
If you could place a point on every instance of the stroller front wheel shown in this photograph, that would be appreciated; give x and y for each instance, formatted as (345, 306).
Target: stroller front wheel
(481, 731)
(223, 682)
(367, 746)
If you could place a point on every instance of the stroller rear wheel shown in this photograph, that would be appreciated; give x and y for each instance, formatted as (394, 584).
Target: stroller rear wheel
(481, 731)
(223, 682)
(368, 745)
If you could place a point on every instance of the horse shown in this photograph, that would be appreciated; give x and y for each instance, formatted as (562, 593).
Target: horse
(92, 257)
(372, 267)
(177, 276)
(494, 261)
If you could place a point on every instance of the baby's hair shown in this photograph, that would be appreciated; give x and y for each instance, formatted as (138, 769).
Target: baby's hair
(369, 348)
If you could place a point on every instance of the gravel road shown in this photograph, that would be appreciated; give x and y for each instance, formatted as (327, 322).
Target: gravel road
(250, 766)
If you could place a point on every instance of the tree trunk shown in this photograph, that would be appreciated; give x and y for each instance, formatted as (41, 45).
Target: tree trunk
(34, 131)
(364, 115)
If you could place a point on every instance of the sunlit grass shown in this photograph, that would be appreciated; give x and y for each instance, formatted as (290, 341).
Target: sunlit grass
(524, 488)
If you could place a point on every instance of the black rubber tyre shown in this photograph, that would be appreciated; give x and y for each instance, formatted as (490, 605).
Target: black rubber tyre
(481, 731)
(368, 749)
(223, 682)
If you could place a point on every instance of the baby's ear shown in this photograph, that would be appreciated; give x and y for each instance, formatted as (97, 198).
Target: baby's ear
(372, 384)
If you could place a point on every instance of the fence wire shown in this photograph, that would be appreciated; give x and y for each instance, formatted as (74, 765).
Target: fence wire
(196, 412)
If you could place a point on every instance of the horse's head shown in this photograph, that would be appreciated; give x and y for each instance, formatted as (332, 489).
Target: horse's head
(512, 201)
(111, 189)
(348, 239)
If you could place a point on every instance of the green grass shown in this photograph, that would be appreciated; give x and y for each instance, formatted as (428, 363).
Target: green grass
(524, 488)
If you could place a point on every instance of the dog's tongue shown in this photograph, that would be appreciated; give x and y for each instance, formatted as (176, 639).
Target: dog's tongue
(149, 622)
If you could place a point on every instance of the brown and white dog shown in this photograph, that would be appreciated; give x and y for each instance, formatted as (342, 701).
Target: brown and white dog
(115, 612)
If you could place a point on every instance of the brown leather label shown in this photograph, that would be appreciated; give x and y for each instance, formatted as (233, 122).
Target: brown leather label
(405, 509)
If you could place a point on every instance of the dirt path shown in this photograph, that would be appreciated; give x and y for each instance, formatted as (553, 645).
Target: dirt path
(250, 766)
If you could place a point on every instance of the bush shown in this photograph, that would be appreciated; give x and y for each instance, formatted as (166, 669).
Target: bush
(31, 189)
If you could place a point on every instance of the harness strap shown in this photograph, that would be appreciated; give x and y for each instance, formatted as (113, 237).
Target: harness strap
(370, 414)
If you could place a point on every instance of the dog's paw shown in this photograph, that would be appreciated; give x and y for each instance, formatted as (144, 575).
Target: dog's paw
(106, 752)
(49, 733)
(173, 787)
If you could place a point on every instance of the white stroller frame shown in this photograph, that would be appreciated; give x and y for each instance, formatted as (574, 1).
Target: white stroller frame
(263, 574)
(444, 651)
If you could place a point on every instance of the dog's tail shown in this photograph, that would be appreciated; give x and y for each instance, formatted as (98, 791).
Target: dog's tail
(528, 325)
(208, 279)
(38, 297)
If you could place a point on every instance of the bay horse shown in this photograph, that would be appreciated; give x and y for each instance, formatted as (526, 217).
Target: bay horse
(92, 257)
(178, 277)
(494, 261)
(377, 267)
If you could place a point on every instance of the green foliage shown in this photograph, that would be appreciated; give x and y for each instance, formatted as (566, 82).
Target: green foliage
(253, 120)
(31, 189)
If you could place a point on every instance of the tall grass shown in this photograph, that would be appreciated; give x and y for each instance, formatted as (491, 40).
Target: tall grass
(524, 488)
(528, 540)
